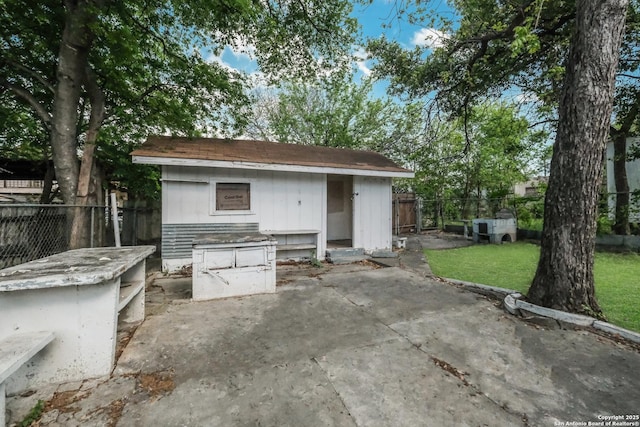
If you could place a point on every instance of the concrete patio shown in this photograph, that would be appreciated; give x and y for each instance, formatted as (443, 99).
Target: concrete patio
(350, 345)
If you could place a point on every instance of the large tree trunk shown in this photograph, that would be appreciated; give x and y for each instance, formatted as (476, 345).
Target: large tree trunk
(564, 277)
(621, 225)
(80, 229)
(72, 61)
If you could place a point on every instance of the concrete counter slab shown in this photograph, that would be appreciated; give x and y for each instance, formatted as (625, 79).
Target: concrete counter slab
(73, 268)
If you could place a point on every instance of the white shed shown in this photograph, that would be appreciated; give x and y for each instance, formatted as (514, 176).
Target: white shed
(309, 197)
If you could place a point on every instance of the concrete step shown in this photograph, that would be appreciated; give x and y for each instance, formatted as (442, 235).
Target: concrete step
(344, 252)
(347, 259)
(381, 253)
(345, 255)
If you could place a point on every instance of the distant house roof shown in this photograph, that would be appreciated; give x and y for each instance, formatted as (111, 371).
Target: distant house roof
(243, 154)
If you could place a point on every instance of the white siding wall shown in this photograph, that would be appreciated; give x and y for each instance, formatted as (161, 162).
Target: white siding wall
(372, 213)
(279, 200)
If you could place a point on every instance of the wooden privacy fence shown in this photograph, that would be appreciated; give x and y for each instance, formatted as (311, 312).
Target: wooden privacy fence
(405, 213)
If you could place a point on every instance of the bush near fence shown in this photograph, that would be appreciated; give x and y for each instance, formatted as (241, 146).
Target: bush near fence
(528, 210)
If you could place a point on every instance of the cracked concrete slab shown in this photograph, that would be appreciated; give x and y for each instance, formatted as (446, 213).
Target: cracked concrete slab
(287, 394)
(350, 347)
(238, 334)
(396, 384)
(393, 294)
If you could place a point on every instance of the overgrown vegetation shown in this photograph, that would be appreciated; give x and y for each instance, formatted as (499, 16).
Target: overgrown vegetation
(33, 415)
(513, 266)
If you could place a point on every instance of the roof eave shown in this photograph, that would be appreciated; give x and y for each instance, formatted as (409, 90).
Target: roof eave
(173, 161)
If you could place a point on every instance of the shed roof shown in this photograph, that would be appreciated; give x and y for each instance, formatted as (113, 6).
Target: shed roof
(245, 154)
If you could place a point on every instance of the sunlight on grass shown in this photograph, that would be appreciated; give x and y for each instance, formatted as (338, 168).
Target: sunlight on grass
(513, 266)
(506, 266)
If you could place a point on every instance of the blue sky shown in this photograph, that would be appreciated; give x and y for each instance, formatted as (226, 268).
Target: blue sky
(378, 18)
(381, 18)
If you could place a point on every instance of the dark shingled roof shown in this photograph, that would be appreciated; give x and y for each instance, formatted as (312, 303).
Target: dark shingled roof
(264, 152)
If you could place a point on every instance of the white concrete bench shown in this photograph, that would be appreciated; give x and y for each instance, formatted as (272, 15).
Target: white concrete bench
(79, 295)
(15, 351)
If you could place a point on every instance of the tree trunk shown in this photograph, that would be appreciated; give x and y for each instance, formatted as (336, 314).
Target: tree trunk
(564, 277)
(72, 60)
(47, 195)
(80, 229)
(465, 198)
(621, 225)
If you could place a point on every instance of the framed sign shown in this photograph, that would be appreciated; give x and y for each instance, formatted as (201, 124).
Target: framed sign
(233, 196)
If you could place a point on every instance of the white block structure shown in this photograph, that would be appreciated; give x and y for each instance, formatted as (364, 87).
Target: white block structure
(227, 265)
(494, 230)
(79, 296)
(15, 351)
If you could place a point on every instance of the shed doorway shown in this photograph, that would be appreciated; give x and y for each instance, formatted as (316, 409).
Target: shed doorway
(339, 211)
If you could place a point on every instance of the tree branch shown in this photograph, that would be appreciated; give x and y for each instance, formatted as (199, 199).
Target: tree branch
(26, 96)
(307, 18)
(629, 76)
(629, 118)
(542, 122)
(39, 77)
(145, 29)
(97, 100)
(496, 35)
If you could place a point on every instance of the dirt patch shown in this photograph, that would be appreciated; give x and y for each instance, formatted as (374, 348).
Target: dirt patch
(185, 271)
(115, 412)
(451, 369)
(63, 401)
(157, 384)
(367, 263)
(614, 339)
(288, 262)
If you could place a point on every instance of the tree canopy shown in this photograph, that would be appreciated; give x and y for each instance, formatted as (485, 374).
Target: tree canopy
(335, 111)
(549, 52)
(482, 158)
(121, 70)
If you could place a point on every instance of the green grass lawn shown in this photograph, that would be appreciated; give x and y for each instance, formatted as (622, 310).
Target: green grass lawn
(513, 266)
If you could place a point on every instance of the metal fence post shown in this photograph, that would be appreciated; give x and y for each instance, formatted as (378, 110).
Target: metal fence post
(114, 214)
(134, 237)
(92, 230)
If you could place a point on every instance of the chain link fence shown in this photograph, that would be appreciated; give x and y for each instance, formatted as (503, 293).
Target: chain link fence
(33, 231)
(446, 212)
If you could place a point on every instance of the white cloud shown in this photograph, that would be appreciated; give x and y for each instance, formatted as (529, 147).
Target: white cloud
(524, 98)
(361, 56)
(242, 50)
(217, 59)
(429, 37)
(363, 67)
